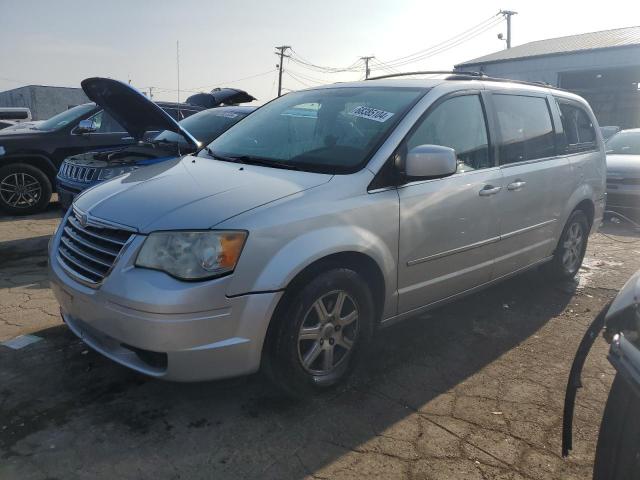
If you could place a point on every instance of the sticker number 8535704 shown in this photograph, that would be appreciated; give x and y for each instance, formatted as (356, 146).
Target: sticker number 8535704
(371, 114)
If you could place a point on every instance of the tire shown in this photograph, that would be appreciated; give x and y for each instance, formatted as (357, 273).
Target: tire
(24, 189)
(325, 354)
(570, 251)
(618, 450)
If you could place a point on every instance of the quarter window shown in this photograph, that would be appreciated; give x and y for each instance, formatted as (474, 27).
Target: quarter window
(579, 133)
(457, 123)
(525, 127)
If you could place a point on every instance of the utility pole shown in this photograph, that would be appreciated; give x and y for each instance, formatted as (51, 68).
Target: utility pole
(178, 66)
(507, 14)
(281, 52)
(366, 65)
(150, 93)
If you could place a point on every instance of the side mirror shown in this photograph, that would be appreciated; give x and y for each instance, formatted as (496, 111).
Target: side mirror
(86, 126)
(430, 161)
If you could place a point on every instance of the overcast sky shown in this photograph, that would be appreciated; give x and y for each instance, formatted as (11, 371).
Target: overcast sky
(60, 42)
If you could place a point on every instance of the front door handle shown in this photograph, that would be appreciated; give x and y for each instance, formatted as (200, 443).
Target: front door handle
(517, 185)
(489, 190)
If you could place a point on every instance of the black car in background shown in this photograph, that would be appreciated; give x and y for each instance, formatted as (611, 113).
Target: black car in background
(30, 157)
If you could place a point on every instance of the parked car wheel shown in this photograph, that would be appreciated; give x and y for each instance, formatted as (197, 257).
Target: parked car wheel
(572, 246)
(24, 189)
(321, 333)
(618, 450)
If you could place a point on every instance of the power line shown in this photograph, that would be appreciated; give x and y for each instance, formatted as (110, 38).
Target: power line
(445, 45)
(197, 89)
(481, 25)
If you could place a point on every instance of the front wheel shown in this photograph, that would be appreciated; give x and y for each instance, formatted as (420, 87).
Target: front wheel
(571, 248)
(24, 189)
(321, 332)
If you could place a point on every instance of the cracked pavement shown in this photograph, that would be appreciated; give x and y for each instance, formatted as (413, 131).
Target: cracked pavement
(473, 390)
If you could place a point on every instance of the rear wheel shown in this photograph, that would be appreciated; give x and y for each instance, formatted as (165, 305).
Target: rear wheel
(618, 451)
(571, 248)
(321, 332)
(24, 189)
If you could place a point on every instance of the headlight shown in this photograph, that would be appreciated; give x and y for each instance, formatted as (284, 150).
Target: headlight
(108, 173)
(192, 255)
(2, 150)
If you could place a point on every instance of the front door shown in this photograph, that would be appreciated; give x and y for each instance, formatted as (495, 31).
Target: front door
(448, 226)
(108, 134)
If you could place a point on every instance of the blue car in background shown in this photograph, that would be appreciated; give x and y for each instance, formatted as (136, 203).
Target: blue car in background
(139, 116)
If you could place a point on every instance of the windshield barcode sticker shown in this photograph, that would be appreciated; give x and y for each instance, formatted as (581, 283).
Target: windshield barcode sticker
(225, 114)
(371, 114)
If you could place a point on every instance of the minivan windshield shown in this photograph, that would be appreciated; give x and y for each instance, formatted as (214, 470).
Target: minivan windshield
(204, 126)
(66, 117)
(329, 130)
(624, 143)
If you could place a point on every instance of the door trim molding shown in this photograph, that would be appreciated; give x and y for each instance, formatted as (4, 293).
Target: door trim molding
(527, 229)
(479, 244)
(453, 251)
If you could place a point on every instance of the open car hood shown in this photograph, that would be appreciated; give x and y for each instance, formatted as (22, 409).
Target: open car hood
(131, 109)
(220, 96)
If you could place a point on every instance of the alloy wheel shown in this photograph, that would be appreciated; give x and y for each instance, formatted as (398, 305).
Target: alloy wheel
(328, 332)
(572, 246)
(20, 190)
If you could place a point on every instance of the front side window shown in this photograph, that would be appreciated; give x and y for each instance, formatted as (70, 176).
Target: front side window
(579, 133)
(330, 130)
(525, 128)
(66, 118)
(457, 123)
(105, 123)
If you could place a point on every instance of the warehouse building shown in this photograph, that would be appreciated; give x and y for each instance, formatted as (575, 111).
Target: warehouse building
(43, 101)
(603, 67)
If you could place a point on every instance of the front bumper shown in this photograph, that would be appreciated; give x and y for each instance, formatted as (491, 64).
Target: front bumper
(162, 327)
(623, 198)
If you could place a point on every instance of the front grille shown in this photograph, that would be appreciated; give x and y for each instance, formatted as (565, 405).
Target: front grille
(88, 252)
(77, 173)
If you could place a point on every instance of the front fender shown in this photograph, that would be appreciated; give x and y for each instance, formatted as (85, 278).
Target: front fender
(303, 250)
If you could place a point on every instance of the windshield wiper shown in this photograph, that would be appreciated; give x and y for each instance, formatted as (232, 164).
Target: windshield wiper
(250, 160)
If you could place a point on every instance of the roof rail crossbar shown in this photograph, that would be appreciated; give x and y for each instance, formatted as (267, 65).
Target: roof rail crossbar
(430, 72)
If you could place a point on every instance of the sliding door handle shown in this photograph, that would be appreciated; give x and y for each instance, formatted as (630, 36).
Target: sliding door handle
(489, 190)
(517, 185)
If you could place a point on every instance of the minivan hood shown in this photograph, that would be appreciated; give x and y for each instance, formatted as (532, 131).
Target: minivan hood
(131, 109)
(623, 165)
(190, 193)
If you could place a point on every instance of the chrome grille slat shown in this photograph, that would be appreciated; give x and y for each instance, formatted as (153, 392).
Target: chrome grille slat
(77, 226)
(77, 173)
(78, 239)
(88, 252)
(86, 255)
(69, 257)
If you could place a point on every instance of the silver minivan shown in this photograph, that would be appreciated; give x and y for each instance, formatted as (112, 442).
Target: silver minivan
(324, 216)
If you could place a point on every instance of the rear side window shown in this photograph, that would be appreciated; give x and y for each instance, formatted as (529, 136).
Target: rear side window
(457, 123)
(526, 131)
(579, 132)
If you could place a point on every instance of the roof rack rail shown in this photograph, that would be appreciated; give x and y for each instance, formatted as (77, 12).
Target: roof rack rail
(430, 72)
(468, 75)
